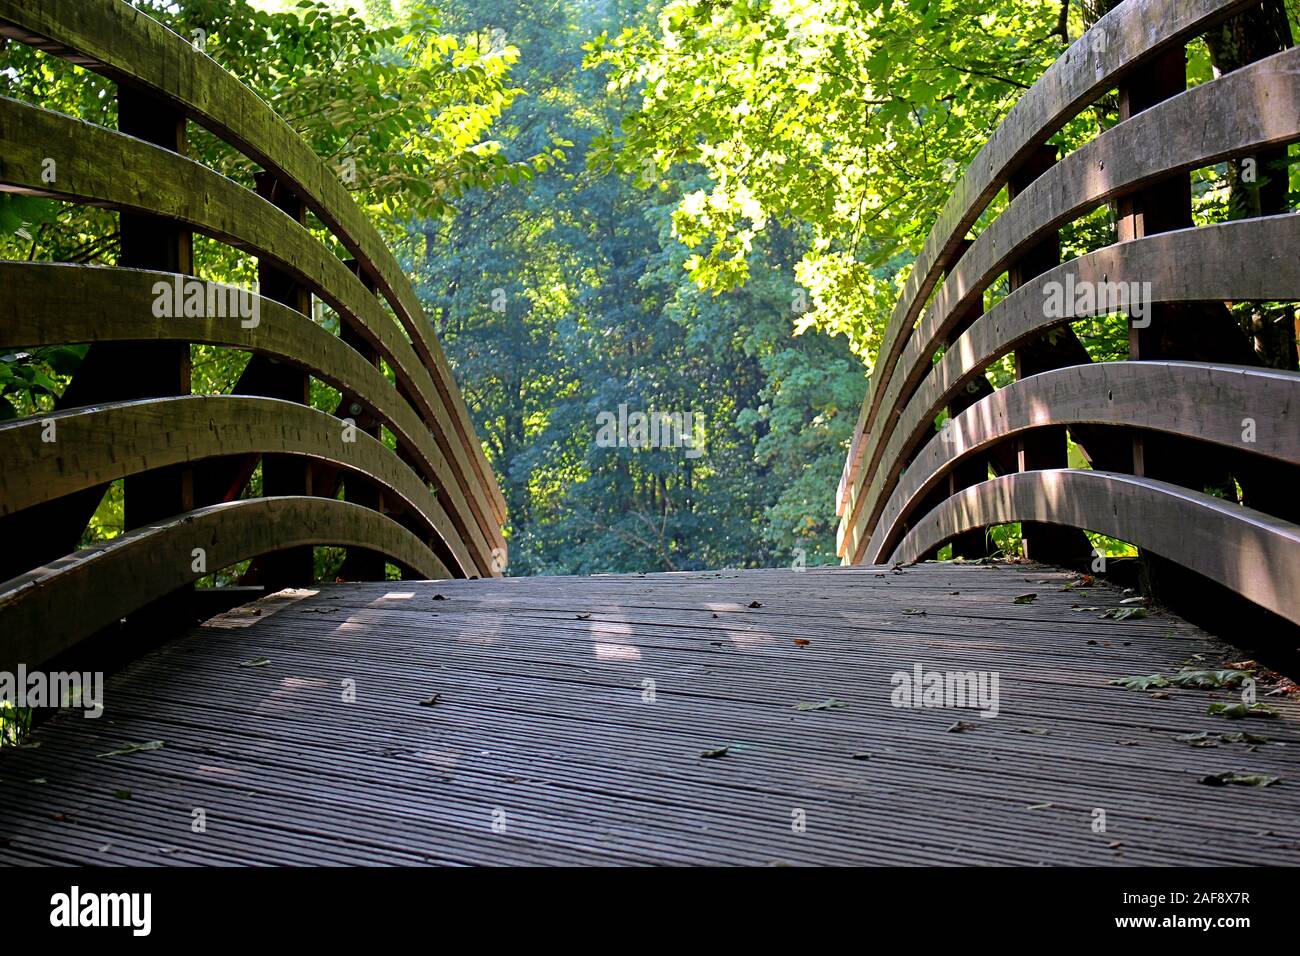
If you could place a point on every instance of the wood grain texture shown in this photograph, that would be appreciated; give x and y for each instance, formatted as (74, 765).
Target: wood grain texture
(50, 609)
(1253, 554)
(1256, 106)
(541, 715)
(1125, 38)
(104, 167)
(124, 44)
(55, 304)
(94, 446)
(1245, 261)
(1211, 402)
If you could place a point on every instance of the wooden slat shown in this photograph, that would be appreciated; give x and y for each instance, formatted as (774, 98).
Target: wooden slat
(1211, 402)
(1188, 265)
(105, 167)
(1129, 35)
(1252, 107)
(97, 445)
(56, 304)
(123, 43)
(50, 609)
(1253, 554)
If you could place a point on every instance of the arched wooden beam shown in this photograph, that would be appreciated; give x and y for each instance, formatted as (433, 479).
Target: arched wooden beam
(126, 45)
(59, 304)
(1253, 554)
(1129, 35)
(1187, 265)
(104, 167)
(1249, 409)
(44, 458)
(48, 610)
(1253, 107)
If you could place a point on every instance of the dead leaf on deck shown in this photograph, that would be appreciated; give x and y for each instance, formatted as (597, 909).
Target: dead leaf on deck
(1029, 598)
(714, 754)
(134, 748)
(1125, 613)
(828, 704)
(1241, 737)
(1240, 779)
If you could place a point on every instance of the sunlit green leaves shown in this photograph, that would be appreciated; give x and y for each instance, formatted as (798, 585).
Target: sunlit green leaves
(831, 113)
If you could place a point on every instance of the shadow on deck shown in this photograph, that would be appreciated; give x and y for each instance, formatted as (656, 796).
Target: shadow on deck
(565, 721)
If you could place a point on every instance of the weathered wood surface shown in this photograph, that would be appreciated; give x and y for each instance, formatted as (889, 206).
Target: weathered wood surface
(126, 45)
(1246, 260)
(106, 167)
(1251, 553)
(1126, 37)
(1210, 402)
(540, 719)
(1256, 106)
(97, 445)
(55, 303)
(51, 608)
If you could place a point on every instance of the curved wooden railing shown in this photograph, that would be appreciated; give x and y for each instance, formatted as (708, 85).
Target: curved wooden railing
(1191, 405)
(432, 506)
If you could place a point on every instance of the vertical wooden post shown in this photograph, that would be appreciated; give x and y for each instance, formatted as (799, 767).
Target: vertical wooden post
(974, 543)
(1043, 447)
(284, 474)
(1159, 207)
(154, 369)
(361, 564)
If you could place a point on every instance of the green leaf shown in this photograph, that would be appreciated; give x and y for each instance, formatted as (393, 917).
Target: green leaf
(1208, 680)
(1240, 710)
(1141, 683)
(256, 662)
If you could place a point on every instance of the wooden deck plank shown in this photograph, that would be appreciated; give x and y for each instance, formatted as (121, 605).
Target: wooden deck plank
(541, 715)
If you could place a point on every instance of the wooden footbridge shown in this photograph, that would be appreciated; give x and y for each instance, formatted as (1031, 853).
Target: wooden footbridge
(899, 710)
